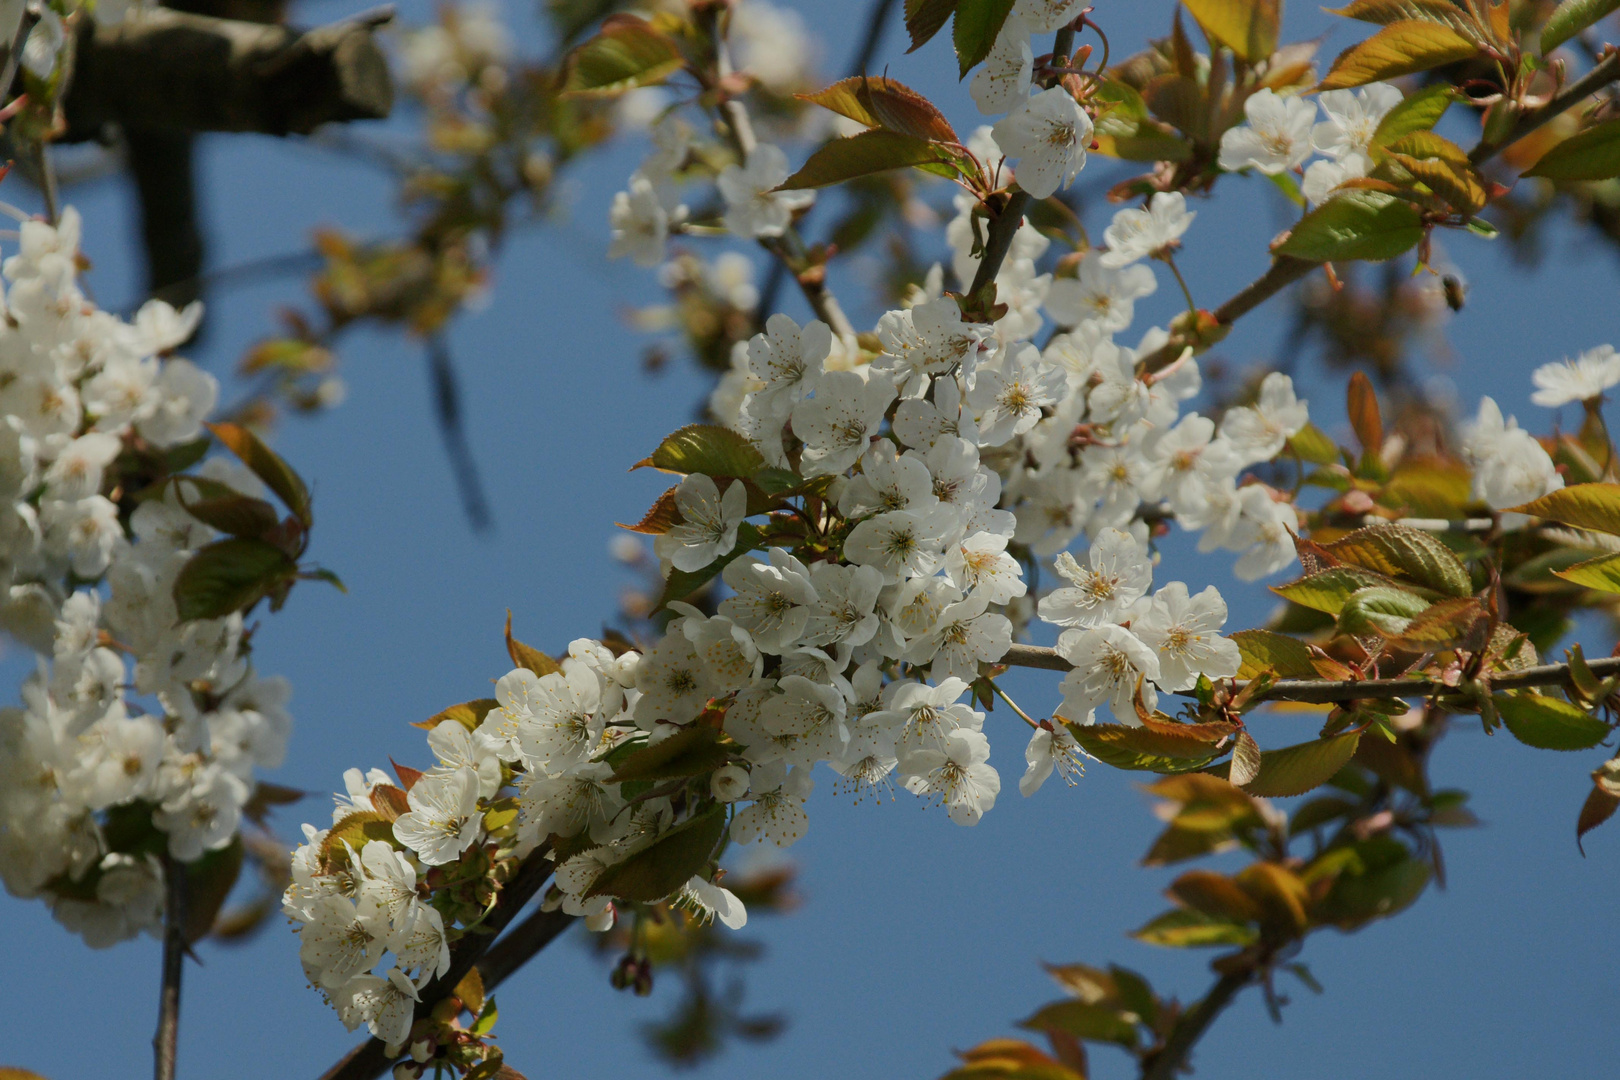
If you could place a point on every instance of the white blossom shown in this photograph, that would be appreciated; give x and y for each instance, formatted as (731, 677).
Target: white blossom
(753, 207)
(1137, 234)
(1276, 138)
(1581, 379)
(1048, 134)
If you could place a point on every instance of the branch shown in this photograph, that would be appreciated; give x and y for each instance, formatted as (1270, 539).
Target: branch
(169, 69)
(1285, 270)
(520, 945)
(1190, 1028)
(370, 1059)
(166, 1041)
(447, 409)
(1324, 691)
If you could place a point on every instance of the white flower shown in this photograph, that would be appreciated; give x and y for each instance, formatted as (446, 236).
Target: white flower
(675, 685)
(888, 481)
(1353, 119)
(639, 222)
(1003, 81)
(1048, 134)
(1116, 476)
(76, 473)
(772, 599)
(1100, 294)
(203, 816)
(443, 820)
(1276, 138)
(1325, 175)
(709, 521)
(1118, 575)
(1186, 461)
(1581, 379)
(343, 940)
(579, 799)
(1046, 16)
(385, 1005)
(980, 563)
(1011, 391)
(902, 543)
(1258, 432)
(922, 716)
(85, 530)
(753, 207)
(710, 901)
(807, 719)
(1265, 532)
(1110, 664)
(185, 394)
(729, 783)
(776, 812)
(457, 748)
(1051, 746)
(958, 773)
(159, 327)
(560, 724)
(965, 636)
(1510, 467)
(1136, 234)
(788, 359)
(1182, 630)
(928, 339)
(839, 422)
(846, 597)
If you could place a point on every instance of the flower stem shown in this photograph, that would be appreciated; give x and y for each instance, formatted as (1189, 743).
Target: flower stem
(165, 1043)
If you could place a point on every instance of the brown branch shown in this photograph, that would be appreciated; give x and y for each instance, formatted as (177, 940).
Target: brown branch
(179, 71)
(370, 1059)
(1190, 1028)
(1325, 691)
(166, 1041)
(1603, 73)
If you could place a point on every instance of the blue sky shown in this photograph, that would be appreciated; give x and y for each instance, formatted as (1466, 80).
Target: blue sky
(916, 936)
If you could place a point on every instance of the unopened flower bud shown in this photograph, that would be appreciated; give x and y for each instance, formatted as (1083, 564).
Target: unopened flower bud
(407, 1070)
(729, 783)
(643, 981)
(601, 922)
(421, 1049)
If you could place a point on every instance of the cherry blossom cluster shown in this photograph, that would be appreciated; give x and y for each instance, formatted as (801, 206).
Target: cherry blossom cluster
(133, 720)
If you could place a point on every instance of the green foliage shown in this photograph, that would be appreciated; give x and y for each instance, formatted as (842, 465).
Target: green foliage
(1155, 746)
(1265, 650)
(231, 575)
(268, 466)
(874, 151)
(1328, 590)
(1570, 18)
(1602, 573)
(705, 448)
(663, 866)
(1379, 609)
(1405, 553)
(1184, 928)
(1402, 47)
(880, 102)
(975, 29)
(1549, 723)
(1096, 1023)
(925, 18)
(1294, 770)
(683, 583)
(626, 53)
(1419, 111)
(692, 751)
(1355, 224)
(1593, 154)
(1247, 27)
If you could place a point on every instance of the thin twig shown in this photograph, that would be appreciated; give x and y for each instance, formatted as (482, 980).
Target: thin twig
(1190, 1028)
(166, 1041)
(1602, 74)
(8, 74)
(1324, 691)
(520, 944)
(447, 408)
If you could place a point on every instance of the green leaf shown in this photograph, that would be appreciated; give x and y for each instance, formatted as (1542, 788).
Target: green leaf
(268, 466)
(1327, 590)
(705, 448)
(692, 751)
(1444, 12)
(1155, 747)
(469, 714)
(357, 830)
(1420, 111)
(1593, 154)
(1570, 18)
(1549, 723)
(626, 53)
(1247, 27)
(1294, 770)
(229, 575)
(683, 583)
(1355, 224)
(880, 102)
(924, 19)
(1402, 552)
(1380, 890)
(209, 881)
(1185, 928)
(1215, 894)
(1265, 650)
(1443, 167)
(1379, 609)
(664, 866)
(1400, 48)
(1585, 506)
(1312, 444)
(1601, 803)
(527, 656)
(1097, 1023)
(1602, 574)
(238, 515)
(873, 151)
(1449, 624)
(974, 32)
